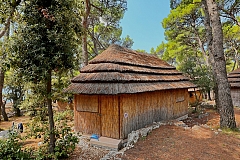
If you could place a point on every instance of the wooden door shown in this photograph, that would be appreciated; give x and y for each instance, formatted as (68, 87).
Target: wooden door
(110, 116)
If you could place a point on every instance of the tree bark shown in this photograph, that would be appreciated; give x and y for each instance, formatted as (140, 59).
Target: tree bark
(209, 46)
(50, 113)
(4, 114)
(85, 27)
(17, 112)
(1, 88)
(2, 104)
(225, 106)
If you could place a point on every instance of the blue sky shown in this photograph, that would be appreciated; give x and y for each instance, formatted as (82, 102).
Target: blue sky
(142, 22)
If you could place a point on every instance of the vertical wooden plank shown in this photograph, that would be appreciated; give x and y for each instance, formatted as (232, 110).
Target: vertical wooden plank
(110, 116)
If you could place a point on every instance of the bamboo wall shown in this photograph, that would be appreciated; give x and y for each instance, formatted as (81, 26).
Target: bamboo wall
(140, 110)
(117, 115)
(235, 93)
(110, 116)
(97, 115)
(86, 117)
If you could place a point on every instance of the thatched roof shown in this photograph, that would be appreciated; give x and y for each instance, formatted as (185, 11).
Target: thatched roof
(120, 70)
(234, 78)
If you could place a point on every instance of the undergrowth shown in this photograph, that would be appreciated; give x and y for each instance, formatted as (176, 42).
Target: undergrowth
(13, 146)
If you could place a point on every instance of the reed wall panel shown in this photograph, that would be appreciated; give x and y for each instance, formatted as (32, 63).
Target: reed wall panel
(86, 122)
(145, 108)
(86, 103)
(110, 116)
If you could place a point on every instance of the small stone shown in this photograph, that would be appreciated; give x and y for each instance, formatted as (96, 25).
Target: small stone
(219, 130)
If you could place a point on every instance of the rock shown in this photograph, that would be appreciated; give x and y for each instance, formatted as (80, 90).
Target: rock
(144, 131)
(133, 137)
(219, 130)
(186, 128)
(4, 134)
(155, 126)
(180, 124)
(40, 143)
(112, 154)
(182, 117)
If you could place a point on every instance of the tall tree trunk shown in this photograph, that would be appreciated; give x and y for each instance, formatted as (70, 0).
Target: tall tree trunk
(209, 95)
(227, 118)
(4, 114)
(2, 104)
(50, 112)
(85, 28)
(1, 88)
(209, 46)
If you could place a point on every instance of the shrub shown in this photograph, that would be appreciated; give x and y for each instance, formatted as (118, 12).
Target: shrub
(65, 139)
(12, 149)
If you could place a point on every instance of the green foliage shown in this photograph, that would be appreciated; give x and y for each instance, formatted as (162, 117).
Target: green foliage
(231, 40)
(127, 42)
(201, 75)
(104, 26)
(60, 81)
(45, 39)
(11, 148)
(66, 142)
(141, 50)
(186, 46)
(14, 88)
(65, 139)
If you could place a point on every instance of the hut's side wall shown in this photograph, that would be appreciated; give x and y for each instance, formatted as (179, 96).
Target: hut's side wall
(139, 110)
(87, 117)
(235, 93)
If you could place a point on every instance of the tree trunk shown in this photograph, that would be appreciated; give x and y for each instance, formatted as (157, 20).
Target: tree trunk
(85, 27)
(2, 105)
(4, 114)
(50, 113)
(17, 112)
(209, 95)
(1, 88)
(209, 45)
(227, 118)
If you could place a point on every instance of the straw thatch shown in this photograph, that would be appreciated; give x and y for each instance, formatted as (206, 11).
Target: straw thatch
(119, 70)
(234, 78)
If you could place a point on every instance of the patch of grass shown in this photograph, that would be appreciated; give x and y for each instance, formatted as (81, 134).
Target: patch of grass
(230, 131)
(143, 138)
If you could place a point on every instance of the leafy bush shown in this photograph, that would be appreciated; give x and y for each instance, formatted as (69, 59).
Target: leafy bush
(12, 149)
(65, 139)
(66, 143)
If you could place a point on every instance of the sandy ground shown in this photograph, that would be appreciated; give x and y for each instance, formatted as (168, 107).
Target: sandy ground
(203, 142)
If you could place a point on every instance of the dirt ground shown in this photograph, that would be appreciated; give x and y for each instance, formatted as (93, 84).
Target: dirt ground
(205, 142)
(201, 140)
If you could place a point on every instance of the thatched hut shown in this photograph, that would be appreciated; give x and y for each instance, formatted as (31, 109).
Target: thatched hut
(122, 90)
(234, 80)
